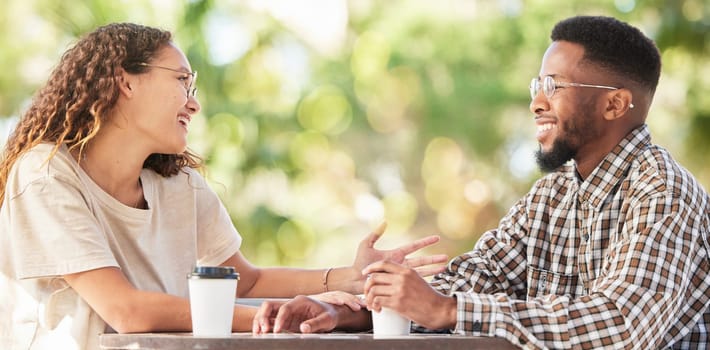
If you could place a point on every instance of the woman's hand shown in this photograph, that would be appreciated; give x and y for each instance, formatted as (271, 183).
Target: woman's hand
(354, 302)
(367, 254)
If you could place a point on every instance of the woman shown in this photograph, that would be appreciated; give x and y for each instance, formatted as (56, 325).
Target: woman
(103, 213)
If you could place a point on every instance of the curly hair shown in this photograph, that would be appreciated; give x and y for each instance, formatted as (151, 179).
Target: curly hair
(615, 46)
(81, 91)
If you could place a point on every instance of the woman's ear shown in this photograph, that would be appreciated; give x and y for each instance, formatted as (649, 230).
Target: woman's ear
(125, 82)
(619, 103)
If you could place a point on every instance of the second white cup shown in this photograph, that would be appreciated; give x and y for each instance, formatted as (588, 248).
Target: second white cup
(389, 323)
(212, 294)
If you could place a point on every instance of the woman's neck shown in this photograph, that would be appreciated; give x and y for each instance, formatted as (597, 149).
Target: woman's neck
(115, 166)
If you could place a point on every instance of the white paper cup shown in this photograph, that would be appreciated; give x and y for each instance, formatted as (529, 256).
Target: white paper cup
(389, 323)
(212, 294)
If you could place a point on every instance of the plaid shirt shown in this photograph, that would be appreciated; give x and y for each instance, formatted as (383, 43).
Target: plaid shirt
(619, 260)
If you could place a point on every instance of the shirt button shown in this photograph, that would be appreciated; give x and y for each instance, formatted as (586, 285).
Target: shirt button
(542, 284)
(476, 327)
(586, 237)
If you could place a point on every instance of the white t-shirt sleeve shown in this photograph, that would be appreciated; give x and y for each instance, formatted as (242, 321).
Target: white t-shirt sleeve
(217, 238)
(52, 230)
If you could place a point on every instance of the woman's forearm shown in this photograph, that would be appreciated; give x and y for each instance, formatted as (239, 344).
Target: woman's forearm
(289, 282)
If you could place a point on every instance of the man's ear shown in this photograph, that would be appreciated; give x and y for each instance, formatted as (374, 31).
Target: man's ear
(619, 102)
(125, 82)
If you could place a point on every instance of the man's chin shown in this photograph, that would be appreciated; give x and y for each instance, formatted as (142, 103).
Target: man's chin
(551, 161)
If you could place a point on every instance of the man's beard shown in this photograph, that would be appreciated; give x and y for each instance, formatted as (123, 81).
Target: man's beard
(560, 154)
(576, 131)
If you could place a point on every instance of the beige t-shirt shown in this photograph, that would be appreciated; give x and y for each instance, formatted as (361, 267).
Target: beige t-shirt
(55, 220)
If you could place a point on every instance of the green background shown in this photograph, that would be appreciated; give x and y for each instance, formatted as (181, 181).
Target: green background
(320, 119)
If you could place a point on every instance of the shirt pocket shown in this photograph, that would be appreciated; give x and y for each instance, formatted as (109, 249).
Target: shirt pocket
(543, 282)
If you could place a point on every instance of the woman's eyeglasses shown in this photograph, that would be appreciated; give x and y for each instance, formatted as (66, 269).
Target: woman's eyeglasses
(189, 81)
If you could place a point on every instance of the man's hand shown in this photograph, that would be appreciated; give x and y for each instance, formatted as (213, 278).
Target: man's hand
(307, 315)
(302, 314)
(403, 290)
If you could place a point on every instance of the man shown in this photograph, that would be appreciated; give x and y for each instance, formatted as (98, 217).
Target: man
(609, 250)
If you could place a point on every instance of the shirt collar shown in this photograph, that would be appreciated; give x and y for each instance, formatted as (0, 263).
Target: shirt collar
(613, 168)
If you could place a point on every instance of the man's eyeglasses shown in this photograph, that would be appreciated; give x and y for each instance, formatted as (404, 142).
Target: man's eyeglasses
(549, 85)
(189, 80)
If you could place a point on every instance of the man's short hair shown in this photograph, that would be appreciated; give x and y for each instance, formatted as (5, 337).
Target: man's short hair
(614, 46)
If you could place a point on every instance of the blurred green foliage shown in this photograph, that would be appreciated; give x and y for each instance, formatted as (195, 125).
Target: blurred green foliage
(322, 118)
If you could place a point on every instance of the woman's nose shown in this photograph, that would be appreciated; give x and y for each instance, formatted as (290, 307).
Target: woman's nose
(193, 105)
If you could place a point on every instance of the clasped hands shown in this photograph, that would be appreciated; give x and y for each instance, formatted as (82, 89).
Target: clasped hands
(389, 279)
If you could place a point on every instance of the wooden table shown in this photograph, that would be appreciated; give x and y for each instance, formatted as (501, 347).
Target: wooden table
(339, 341)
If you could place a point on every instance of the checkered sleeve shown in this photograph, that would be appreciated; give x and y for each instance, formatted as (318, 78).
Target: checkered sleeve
(496, 264)
(656, 270)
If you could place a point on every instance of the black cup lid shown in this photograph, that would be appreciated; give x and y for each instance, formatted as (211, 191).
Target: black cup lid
(224, 272)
